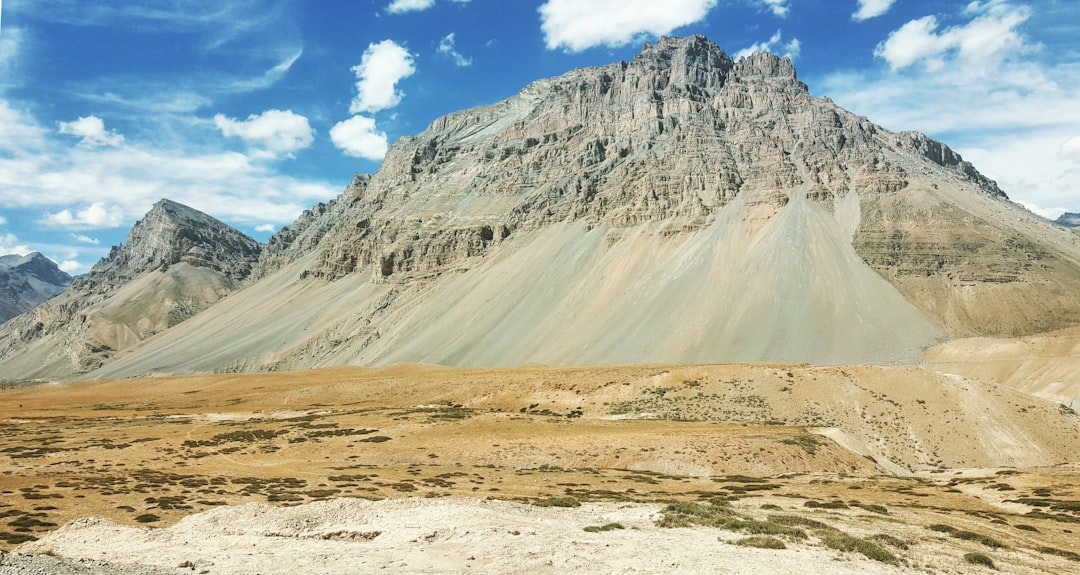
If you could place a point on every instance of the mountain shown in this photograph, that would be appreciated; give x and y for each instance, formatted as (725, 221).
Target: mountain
(680, 208)
(26, 281)
(1069, 219)
(177, 262)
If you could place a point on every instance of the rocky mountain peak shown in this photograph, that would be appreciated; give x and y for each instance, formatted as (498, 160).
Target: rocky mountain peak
(27, 280)
(1069, 219)
(171, 233)
(35, 265)
(690, 61)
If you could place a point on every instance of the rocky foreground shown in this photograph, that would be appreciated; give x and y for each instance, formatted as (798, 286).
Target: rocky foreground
(481, 536)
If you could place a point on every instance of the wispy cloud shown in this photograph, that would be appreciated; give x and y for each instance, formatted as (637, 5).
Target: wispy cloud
(574, 26)
(9, 244)
(403, 6)
(447, 47)
(777, 7)
(871, 9)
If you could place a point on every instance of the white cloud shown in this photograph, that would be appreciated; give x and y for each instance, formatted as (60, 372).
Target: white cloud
(995, 98)
(448, 48)
(3, 220)
(9, 244)
(96, 215)
(774, 45)
(400, 6)
(70, 266)
(92, 131)
(777, 7)
(265, 228)
(871, 9)
(575, 26)
(276, 131)
(1070, 150)
(383, 65)
(980, 42)
(357, 137)
(83, 239)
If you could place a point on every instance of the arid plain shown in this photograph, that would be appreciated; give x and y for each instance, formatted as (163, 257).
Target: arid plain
(895, 457)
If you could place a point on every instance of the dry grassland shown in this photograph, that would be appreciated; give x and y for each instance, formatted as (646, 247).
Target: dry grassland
(152, 451)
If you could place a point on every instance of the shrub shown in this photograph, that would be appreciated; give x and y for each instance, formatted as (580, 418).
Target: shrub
(979, 559)
(606, 527)
(761, 542)
(844, 542)
(558, 502)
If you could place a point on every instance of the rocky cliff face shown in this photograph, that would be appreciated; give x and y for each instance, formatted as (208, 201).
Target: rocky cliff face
(26, 281)
(681, 207)
(679, 132)
(177, 261)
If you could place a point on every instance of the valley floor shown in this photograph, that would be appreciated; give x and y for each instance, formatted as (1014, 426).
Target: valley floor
(609, 469)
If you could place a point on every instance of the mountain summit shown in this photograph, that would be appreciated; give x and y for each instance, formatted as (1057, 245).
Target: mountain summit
(26, 281)
(176, 262)
(681, 207)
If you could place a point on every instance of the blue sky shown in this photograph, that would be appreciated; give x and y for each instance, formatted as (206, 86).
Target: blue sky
(253, 110)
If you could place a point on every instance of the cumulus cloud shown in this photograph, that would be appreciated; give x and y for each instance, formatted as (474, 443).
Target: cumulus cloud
(991, 32)
(448, 48)
(265, 228)
(382, 66)
(275, 131)
(871, 9)
(83, 239)
(96, 215)
(775, 45)
(357, 137)
(91, 130)
(575, 26)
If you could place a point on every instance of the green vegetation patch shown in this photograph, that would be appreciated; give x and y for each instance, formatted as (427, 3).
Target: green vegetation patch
(605, 527)
(761, 542)
(844, 542)
(979, 559)
(558, 502)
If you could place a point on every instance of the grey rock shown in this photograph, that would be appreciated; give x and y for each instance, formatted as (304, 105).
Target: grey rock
(26, 281)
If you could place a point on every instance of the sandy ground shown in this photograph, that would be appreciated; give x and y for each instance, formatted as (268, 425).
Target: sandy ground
(454, 536)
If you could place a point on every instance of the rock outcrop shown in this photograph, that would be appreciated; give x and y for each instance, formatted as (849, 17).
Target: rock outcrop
(681, 207)
(177, 261)
(26, 281)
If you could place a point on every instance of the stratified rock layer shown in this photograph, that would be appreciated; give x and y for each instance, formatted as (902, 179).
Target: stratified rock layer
(681, 207)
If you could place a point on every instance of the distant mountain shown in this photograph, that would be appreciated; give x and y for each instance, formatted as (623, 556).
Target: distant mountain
(1069, 219)
(177, 262)
(683, 207)
(26, 281)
